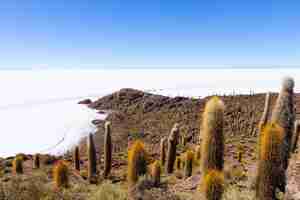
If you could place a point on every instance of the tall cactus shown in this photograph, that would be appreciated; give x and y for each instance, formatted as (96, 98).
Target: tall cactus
(107, 149)
(76, 158)
(266, 112)
(270, 171)
(213, 139)
(171, 153)
(163, 150)
(92, 159)
(188, 167)
(178, 163)
(284, 115)
(137, 162)
(36, 161)
(295, 136)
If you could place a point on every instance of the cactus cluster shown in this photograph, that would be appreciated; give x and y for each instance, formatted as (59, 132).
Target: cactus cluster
(137, 162)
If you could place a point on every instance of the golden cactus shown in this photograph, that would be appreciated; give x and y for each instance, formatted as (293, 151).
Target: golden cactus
(188, 167)
(155, 173)
(270, 172)
(212, 147)
(18, 165)
(137, 162)
(284, 115)
(76, 158)
(61, 174)
(107, 149)
(212, 185)
(171, 153)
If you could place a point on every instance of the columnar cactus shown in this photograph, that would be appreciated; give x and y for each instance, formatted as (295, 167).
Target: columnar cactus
(36, 161)
(137, 162)
(107, 149)
(198, 152)
(61, 174)
(270, 169)
(155, 173)
(171, 153)
(18, 165)
(188, 167)
(212, 185)
(295, 136)
(213, 139)
(163, 150)
(76, 158)
(284, 115)
(92, 159)
(266, 112)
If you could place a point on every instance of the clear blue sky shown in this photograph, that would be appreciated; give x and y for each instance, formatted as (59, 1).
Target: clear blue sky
(149, 33)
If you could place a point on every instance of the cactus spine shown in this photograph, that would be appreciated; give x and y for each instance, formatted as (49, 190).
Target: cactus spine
(212, 185)
(188, 167)
(92, 159)
(283, 115)
(76, 158)
(171, 153)
(295, 136)
(212, 148)
(107, 149)
(18, 165)
(61, 174)
(155, 173)
(163, 151)
(137, 162)
(36, 161)
(270, 164)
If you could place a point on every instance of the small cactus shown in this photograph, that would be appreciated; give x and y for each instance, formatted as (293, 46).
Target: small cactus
(188, 168)
(18, 165)
(76, 158)
(284, 115)
(212, 185)
(61, 174)
(270, 172)
(178, 163)
(163, 150)
(295, 136)
(107, 149)
(92, 159)
(137, 162)
(212, 147)
(155, 173)
(171, 153)
(36, 161)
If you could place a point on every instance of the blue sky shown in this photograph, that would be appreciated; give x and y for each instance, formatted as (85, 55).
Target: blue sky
(149, 34)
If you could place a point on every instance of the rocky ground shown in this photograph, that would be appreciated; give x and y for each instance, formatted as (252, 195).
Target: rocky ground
(138, 115)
